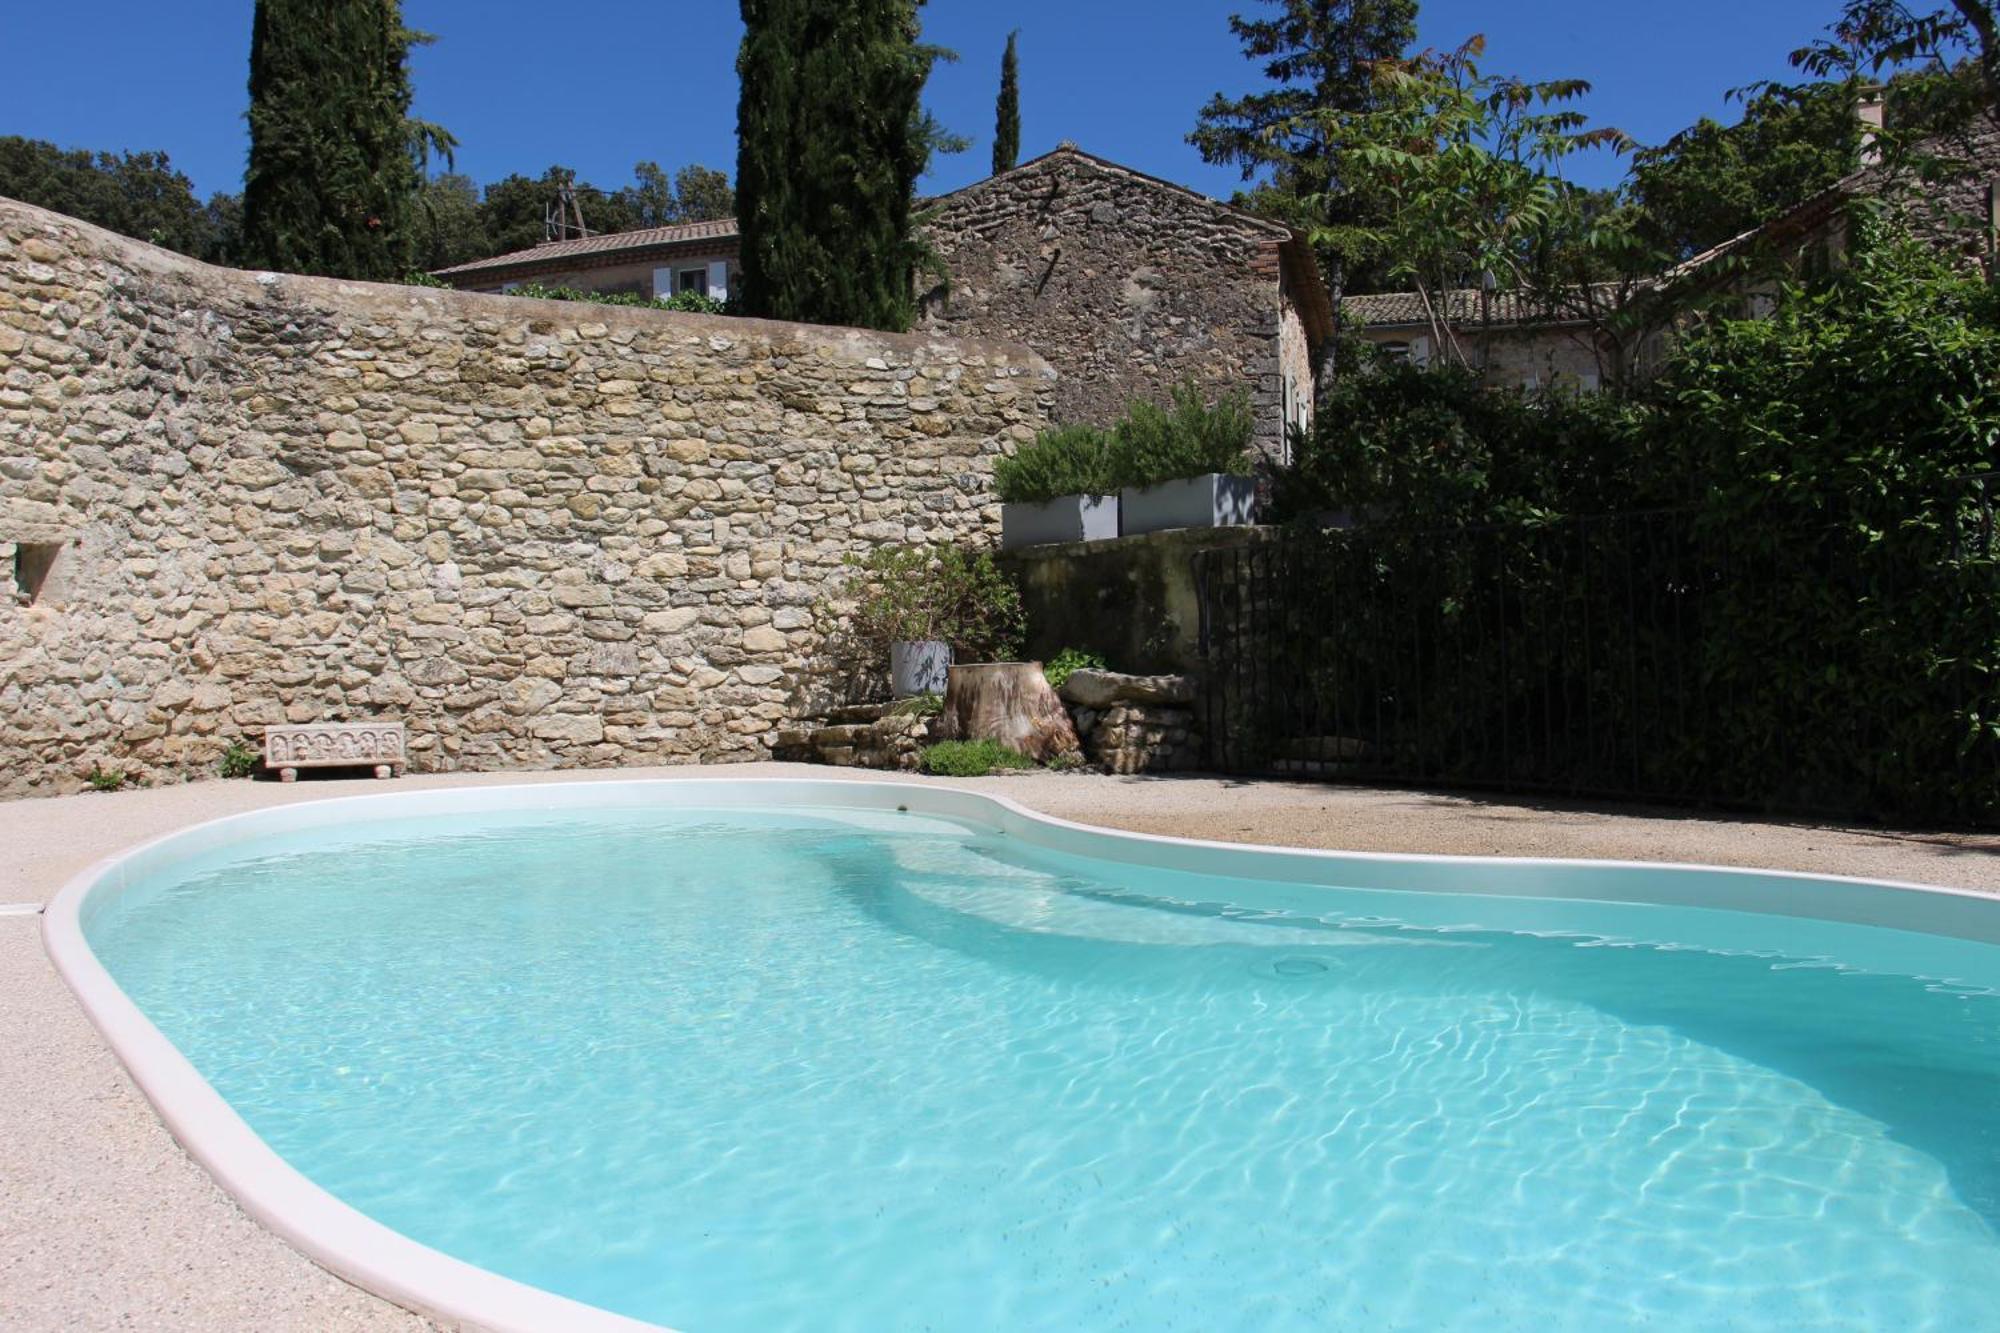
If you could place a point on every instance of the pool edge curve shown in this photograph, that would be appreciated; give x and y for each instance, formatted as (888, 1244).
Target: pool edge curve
(388, 1264)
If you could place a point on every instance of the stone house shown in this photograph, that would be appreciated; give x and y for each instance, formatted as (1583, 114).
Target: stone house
(1518, 344)
(655, 262)
(1953, 204)
(1124, 283)
(1128, 285)
(1947, 195)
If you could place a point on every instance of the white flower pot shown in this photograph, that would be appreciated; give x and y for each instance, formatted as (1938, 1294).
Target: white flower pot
(918, 667)
(1069, 518)
(1212, 500)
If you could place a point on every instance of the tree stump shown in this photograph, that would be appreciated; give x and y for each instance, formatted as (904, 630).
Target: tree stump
(1008, 702)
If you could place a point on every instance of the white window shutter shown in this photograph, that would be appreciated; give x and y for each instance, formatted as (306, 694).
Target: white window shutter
(663, 283)
(718, 279)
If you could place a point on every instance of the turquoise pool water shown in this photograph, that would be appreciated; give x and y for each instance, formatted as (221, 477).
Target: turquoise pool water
(813, 1069)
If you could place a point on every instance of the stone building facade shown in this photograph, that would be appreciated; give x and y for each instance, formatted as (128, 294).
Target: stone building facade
(1514, 345)
(1129, 285)
(1126, 284)
(540, 533)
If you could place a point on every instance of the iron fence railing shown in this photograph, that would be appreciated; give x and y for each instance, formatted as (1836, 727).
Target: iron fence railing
(1774, 661)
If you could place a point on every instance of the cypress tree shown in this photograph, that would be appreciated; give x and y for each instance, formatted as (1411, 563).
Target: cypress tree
(332, 182)
(831, 139)
(1007, 127)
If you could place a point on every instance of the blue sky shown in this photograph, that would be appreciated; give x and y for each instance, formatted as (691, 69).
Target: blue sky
(601, 84)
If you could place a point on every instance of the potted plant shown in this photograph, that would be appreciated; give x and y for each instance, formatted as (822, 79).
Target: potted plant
(1187, 466)
(1058, 489)
(925, 608)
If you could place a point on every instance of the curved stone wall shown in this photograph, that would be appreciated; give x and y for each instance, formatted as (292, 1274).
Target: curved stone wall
(540, 533)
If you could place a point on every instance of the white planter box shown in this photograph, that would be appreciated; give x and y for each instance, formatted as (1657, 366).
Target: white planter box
(1071, 518)
(1212, 500)
(918, 667)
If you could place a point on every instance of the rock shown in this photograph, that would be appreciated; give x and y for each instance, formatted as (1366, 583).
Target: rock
(1101, 689)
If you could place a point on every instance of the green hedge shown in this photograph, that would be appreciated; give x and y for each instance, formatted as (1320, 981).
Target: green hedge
(689, 303)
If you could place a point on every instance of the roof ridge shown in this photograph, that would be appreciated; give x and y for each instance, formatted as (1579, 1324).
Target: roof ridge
(638, 238)
(1069, 148)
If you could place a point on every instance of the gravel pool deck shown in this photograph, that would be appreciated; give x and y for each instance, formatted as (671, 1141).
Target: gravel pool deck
(105, 1224)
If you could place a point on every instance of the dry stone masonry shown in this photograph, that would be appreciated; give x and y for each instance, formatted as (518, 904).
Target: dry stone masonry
(539, 533)
(1129, 285)
(1135, 724)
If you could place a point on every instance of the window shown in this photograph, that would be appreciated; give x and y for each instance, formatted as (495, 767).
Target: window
(33, 562)
(1416, 352)
(692, 280)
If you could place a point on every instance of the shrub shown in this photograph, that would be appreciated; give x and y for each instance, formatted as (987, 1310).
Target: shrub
(1069, 661)
(1154, 444)
(1069, 460)
(1811, 494)
(238, 761)
(1420, 447)
(905, 593)
(1830, 451)
(971, 759)
(918, 705)
(106, 779)
(691, 303)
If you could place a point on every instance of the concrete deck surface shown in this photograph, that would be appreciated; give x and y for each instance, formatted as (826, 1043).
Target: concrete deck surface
(106, 1224)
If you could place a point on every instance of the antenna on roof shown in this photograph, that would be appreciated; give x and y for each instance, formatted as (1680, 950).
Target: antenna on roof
(562, 219)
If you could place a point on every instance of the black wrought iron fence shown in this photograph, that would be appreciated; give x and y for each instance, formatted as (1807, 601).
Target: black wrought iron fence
(1777, 661)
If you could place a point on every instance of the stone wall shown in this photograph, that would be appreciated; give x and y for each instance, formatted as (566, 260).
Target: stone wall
(543, 534)
(1133, 601)
(1127, 285)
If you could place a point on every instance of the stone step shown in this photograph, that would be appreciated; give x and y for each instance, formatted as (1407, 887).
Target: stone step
(849, 714)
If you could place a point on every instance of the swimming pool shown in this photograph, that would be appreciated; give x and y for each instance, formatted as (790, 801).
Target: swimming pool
(777, 1054)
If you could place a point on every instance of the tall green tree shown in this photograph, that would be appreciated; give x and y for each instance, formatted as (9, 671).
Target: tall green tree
(1713, 181)
(223, 218)
(335, 158)
(136, 194)
(1468, 167)
(1960, 38)
(515, 210)
(832, 138)
(450, 227)
(1322, 59)
(1007, 116)
(703, 194)
(695, 193)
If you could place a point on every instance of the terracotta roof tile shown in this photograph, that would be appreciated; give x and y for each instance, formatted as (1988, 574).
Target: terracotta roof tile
(645, 238)
(1462, 307)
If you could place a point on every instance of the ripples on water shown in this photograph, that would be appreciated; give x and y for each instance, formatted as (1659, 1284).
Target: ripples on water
(797, 1071)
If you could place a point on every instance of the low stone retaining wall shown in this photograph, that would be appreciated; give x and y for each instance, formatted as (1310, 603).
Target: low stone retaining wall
(540, 533)
(1135, 724)
(1128, 724)
(1132, 601)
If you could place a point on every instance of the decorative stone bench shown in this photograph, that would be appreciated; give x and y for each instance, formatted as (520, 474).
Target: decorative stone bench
(334, 745)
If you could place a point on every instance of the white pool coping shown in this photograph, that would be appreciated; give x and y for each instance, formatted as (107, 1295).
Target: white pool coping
(381, 1260)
